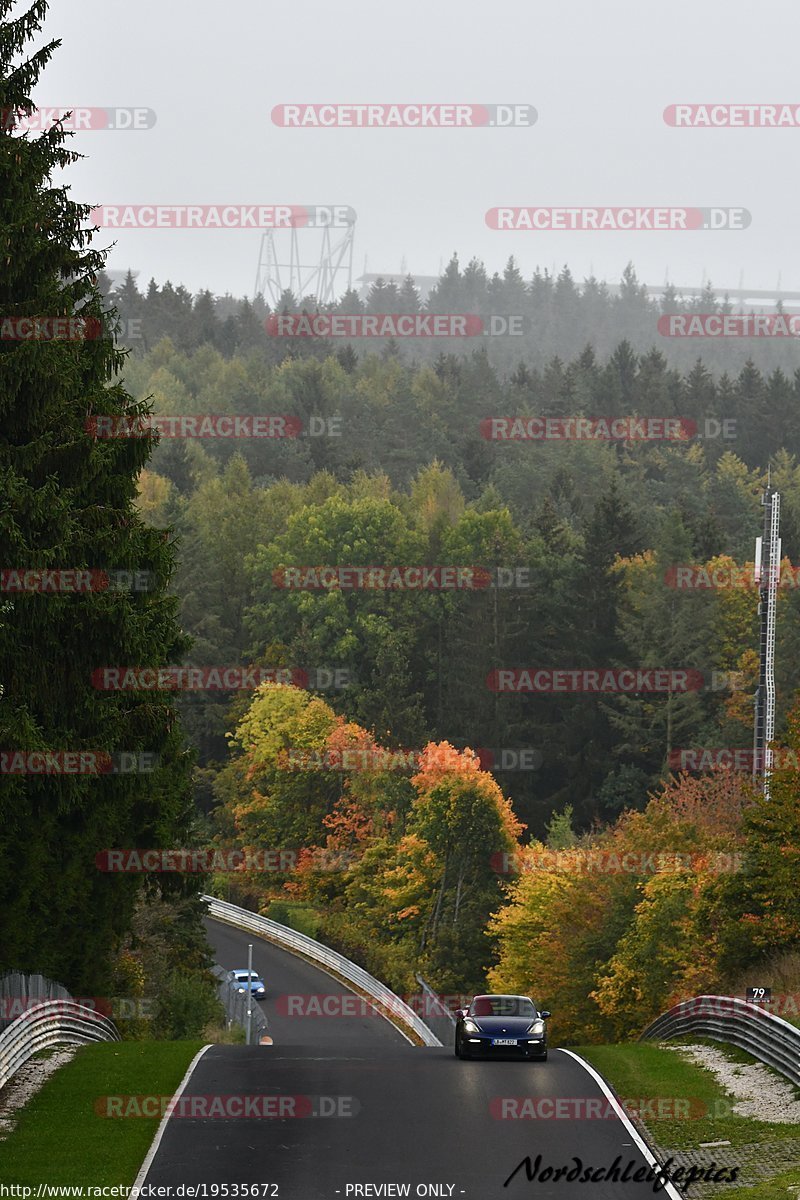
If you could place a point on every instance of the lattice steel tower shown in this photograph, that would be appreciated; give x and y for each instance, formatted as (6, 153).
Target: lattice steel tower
(313, 258)
(767, 577)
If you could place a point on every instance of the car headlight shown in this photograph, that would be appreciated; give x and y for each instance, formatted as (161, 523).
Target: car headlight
(471, 1027)
(241, 989)
(537, 1027)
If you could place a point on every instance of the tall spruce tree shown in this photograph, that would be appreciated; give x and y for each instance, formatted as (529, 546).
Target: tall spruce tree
(66, 501)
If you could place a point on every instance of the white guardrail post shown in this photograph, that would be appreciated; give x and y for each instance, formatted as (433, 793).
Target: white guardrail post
(51, 1023)
(728, 1019)
(290, 939)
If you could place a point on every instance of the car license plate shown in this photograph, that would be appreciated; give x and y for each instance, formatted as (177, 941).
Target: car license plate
(504, 1041)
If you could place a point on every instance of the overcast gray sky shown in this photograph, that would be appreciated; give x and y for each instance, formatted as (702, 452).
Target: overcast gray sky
(598, 73)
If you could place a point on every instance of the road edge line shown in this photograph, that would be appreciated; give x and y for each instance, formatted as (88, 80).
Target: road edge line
(669, 1188)
(156, 1142)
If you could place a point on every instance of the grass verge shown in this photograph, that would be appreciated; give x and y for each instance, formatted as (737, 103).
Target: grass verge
(642, 1071)
(59, 1136)
(780, 1187)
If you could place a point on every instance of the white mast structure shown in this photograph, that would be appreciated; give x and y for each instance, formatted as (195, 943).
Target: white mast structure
(322, 267)
(767, 570)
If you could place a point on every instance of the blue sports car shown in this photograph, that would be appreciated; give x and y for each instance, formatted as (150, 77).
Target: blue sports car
(501, 1025)
(243, 978)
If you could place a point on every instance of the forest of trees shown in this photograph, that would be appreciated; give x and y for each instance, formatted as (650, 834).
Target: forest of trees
(591, 535)
(592, 531)
(425, 870)
(434, 853)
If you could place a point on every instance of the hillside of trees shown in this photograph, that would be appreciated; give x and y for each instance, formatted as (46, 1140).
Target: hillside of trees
(692, 892)
(590, 533)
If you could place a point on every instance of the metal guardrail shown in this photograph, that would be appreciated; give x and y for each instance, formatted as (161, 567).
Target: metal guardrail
(21, 990)
(51, 1023)
(728, 1019)
(290, 939)
(437, 1014)
(234, 1002)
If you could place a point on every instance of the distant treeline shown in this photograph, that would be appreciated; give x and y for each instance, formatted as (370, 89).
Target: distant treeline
(556, 317)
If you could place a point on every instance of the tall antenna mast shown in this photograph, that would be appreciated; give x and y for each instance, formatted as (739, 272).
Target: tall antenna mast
(767, 569)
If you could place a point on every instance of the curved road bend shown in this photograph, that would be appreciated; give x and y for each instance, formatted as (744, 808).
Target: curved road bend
(412, 1117)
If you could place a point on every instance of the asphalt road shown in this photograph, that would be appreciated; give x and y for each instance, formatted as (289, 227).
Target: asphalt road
(347, 1102)
(292, 985)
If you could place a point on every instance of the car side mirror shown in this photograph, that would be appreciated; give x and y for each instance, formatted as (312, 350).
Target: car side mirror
(460, 1012)
(545, 1014)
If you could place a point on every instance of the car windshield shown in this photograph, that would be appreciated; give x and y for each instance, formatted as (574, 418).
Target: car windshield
(502, 1006)
(242, 976)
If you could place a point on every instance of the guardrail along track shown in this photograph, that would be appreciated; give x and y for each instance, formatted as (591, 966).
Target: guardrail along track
(440, 1018)
(290, 939)
(51, 1023)
(728, 1019)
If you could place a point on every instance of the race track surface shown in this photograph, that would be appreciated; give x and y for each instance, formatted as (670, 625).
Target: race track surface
(347, 1106)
